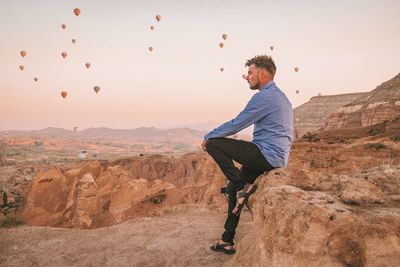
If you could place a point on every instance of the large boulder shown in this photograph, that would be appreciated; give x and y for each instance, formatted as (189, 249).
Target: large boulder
(96, 194)
(352, 220)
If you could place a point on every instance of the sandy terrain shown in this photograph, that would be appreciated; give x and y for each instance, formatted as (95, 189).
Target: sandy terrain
(178, 238)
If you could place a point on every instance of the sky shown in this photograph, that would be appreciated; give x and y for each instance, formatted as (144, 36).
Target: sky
(339, 46)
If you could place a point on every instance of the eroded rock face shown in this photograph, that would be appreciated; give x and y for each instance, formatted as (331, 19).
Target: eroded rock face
(336, 204)
(335, 220)
(49, 197)
(312, 115)
(97, 193)
(374, 107)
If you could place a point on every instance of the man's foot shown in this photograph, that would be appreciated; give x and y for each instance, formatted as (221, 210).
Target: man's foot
(242, 197)
(222, 246)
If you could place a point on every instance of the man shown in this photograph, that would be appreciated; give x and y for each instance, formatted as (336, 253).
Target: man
(271, 113)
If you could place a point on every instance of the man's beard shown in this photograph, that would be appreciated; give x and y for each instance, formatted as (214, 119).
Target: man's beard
(255, 86)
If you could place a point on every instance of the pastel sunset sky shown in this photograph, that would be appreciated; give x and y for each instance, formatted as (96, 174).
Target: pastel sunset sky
(340, 47)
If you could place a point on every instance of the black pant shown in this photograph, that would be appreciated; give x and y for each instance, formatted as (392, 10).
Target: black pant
(223, 150)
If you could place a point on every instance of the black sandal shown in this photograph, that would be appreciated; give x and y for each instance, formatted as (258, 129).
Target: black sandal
(243, 193)
(221, 247)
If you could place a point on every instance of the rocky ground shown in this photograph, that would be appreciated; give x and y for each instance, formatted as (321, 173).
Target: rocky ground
(178, 238)
(336, 204)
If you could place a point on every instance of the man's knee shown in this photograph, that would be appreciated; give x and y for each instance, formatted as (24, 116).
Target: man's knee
(210, 144)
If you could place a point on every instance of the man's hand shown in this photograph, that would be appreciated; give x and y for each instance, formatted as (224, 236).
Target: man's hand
(203, 145)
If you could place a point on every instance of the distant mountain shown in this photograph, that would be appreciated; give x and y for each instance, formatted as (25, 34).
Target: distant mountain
(143, 134)
(202, 126)
(313, 114)
(382, 103)
(245, 134)
(49, 132)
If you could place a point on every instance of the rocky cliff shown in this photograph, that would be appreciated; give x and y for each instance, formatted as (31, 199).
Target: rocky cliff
(382, 103)
(337, 203)
(312, 219)
(312, 115)
(100, 193)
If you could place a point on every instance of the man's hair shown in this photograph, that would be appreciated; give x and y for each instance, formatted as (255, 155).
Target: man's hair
(263, 61)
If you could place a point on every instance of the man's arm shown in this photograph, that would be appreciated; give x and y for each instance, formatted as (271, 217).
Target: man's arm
(255, 109)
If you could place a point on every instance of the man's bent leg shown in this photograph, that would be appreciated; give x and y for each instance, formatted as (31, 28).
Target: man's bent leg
(232, 220)
(225, 150)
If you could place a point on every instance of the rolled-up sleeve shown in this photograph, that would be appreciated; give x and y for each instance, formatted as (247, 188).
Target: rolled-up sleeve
(255, 109)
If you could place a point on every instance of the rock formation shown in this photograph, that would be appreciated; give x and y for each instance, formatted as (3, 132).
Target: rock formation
(382, 103)
(337, 203)
(325, 220)
(312, 115)
(100, 193)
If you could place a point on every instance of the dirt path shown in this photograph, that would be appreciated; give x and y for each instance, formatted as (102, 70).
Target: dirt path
(179, 238)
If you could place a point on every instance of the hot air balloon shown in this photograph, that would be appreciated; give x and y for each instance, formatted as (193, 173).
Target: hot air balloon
(221, 45)
(96, 89)
(64, 54)
(73, 41)
(158, 18)
(21, 67)
(151, 27)
(76, 129)
(77, 11)
(35, 79)
(244, 76)
(64, 94)
(296, 69)
(150, 49)
(297, 91)
(271, 47)
(224, 36)
(23, 53)
(87, 65)
(221, 69)
(63, 26)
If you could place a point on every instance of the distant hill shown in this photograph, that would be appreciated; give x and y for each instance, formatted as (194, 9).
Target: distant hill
(382, 103)
(245, 134)
(313, 114)
(144, 134)
(201, 126)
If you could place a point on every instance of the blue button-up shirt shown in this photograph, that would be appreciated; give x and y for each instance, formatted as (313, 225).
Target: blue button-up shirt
(271, 113)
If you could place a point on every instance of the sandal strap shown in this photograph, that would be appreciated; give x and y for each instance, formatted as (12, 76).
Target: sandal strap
(224, 245)
(241, 194)
(244, 193)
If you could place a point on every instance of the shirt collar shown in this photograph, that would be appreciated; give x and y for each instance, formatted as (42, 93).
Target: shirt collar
(268, 84)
